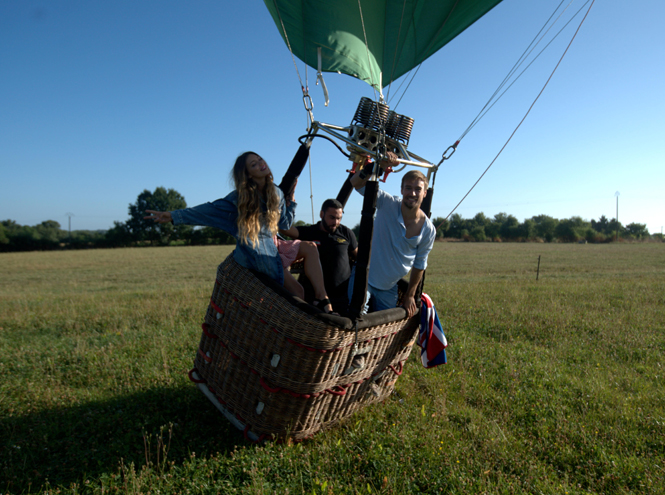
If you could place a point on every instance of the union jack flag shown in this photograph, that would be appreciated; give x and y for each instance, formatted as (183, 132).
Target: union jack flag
(431, 339)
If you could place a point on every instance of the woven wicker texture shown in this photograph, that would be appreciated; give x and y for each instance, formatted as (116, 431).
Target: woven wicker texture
(284, 372)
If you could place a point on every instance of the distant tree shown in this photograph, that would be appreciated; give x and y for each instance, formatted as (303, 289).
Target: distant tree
(161, 200)
(210, 235)
(82, 239)
(457, 226)
(572, 229)
(637, 230)
(592, 235)
(602, 225)
(119, 235)
(545, 227)
(441, 225)
(481, 220)
(614, 227)
(510, 228)
(49, 234)
(527, 229)
(493, 230)
(4, 239)
(478, 233)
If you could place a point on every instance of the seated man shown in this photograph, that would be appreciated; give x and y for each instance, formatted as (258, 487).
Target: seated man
(337, 246)
(403, 237)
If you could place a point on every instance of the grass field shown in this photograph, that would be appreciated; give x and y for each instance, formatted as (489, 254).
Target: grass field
(552, 386)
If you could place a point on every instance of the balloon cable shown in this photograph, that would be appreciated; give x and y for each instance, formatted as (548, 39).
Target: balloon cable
(429, 47)
(526, 114)
(304, 87)
(494, 98)
(369, 63)
(399, 35)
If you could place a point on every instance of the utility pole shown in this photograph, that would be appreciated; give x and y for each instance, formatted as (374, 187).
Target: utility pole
(70, 215)
(617, 234)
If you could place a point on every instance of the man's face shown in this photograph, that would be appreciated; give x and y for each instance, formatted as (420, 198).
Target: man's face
(413, 193)
(330, 219)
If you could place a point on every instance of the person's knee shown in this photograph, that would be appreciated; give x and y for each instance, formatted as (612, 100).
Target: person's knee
(308, 248)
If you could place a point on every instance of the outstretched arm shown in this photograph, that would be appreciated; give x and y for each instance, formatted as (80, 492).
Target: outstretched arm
(159, 216)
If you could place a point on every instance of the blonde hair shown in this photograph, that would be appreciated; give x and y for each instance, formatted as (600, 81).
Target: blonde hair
(250, 214)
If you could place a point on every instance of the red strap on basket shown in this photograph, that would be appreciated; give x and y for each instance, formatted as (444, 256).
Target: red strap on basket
(207, 359)
(265, 385)
(341, 392)
(400, 365)
(217, 308)
(205, 327)
(191, 376)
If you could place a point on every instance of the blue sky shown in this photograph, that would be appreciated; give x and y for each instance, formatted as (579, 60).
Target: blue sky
(101, 100)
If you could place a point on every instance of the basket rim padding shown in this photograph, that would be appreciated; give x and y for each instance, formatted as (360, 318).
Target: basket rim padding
(343, 323)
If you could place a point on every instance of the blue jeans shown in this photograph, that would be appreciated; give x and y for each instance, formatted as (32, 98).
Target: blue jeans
(376, 299)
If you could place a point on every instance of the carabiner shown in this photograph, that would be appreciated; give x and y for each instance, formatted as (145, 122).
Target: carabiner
(452, 147)
(305, 100)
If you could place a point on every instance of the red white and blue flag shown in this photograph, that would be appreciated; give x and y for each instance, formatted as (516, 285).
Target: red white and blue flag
(431, 339)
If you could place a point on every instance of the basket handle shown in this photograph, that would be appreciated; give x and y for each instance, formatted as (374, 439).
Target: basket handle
(204, 327)
(341, 392)
(400, 365)
(191, 376)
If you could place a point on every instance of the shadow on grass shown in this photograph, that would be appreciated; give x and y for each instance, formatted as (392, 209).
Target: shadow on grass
(71, 444)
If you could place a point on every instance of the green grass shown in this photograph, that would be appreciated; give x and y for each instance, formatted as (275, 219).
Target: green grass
(552, 386)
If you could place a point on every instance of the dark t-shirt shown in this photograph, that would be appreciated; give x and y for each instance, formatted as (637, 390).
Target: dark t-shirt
(334, 255)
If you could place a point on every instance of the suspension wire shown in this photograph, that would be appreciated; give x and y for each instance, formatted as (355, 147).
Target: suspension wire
(305, 91)
(402, 84)
(523, 71)
(512, 70)
(369, 62)
(407, 86)
(399, 35)
(521, 60)
(431, 43)
(311, 189)
(288, 44)
(527, 113)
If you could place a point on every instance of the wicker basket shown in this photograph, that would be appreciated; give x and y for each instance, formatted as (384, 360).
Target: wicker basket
(278, 367)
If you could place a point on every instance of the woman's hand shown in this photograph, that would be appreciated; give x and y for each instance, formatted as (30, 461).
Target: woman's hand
(159, 216)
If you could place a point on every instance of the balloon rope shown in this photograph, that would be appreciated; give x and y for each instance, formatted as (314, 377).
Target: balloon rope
(369, 63)
(311, 190)
(399, 35)
(527, 113)
(529, 49)
(429, 47)
(288, 44)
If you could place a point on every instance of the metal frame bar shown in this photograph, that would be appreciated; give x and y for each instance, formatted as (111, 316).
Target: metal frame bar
(414, 159)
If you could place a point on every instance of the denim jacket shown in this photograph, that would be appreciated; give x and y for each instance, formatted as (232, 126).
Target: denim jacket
(223, 214)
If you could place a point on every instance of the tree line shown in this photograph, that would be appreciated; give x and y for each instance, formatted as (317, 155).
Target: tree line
(136, 231)
(504, 227)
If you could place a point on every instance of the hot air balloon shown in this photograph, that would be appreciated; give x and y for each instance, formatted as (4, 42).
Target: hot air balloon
(274, 365)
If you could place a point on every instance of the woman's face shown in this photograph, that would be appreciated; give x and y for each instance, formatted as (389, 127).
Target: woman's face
(257, 168)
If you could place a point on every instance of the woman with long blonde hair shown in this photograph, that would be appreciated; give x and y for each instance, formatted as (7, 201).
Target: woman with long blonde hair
(253, 213)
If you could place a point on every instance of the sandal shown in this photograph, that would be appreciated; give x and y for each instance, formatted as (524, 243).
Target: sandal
(322, 304)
